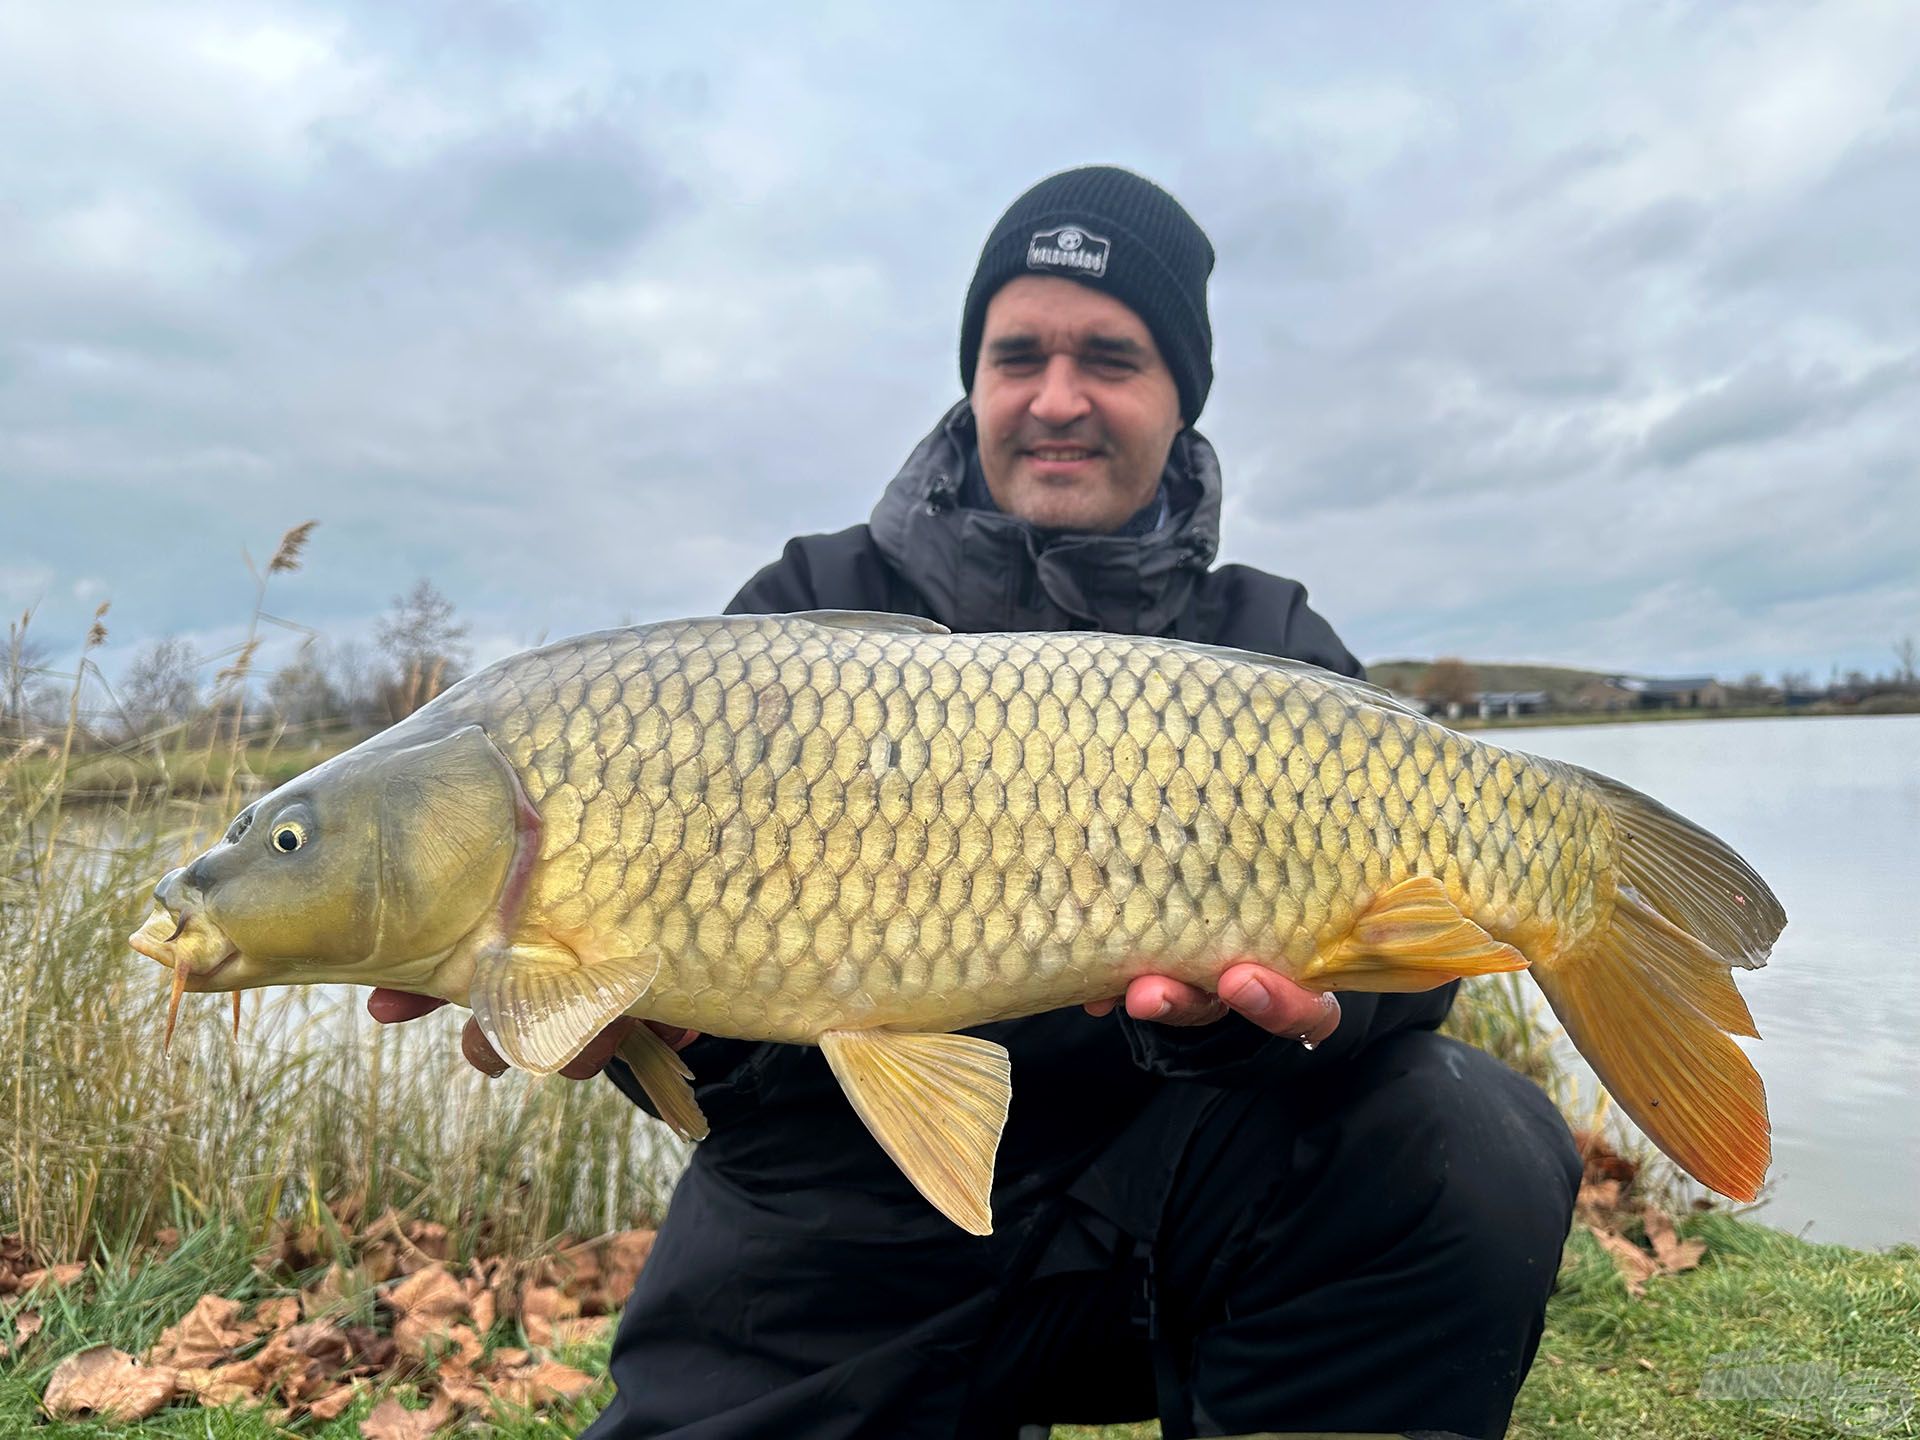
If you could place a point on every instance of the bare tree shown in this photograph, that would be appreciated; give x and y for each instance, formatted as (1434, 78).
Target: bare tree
(1906, 650)
(424, 641)
(302, 694)
(1449, 681)
(161, 687)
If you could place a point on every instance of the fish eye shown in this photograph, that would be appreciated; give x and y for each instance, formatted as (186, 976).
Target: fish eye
(289, 836)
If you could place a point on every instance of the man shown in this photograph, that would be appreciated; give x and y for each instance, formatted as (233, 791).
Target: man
(1300, 1215)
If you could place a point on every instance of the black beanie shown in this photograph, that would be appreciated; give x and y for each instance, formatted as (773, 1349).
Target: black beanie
(1114, 231)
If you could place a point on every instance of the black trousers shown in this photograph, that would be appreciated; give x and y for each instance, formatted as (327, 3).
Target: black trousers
(1374, 1258)
(1373, 1255)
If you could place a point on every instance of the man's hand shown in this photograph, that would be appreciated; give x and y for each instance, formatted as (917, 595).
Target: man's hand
(1266, 997)
(390, 1007)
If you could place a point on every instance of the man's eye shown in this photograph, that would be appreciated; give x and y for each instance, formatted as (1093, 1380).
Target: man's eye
(1107, 365)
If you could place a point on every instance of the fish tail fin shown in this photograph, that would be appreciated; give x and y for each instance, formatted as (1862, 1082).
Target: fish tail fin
(1648, 998)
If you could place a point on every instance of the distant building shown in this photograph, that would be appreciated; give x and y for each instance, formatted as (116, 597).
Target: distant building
(1511, 703)
(1635, 692)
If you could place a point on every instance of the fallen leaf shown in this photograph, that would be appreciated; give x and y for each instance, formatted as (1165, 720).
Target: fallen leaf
(109, 1383)
(391, 1420)
(53, 1277)
(539, 1383)
(1645, 1364)
(335, 1404)
(216, 1387)
(1673, 1253)
(436, 1341)
(430, 1293)
(585, 1330)
(1635, 1265)
(26, 1325)
(540, 1307)
(277, 1313)
(206, 1334)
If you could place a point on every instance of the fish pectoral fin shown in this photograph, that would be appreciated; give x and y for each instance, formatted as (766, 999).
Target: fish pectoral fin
(540, 1003)
(664, 1076)
(1411, 936)
(937, 1104)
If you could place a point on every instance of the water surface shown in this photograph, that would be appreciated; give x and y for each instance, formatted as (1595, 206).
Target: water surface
(1828, 811)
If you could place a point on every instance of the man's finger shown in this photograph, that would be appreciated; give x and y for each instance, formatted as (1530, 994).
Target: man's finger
(1277, 1005)
(390, 1007)
(1171, 1002)
(592, 1060)
(480, 1052)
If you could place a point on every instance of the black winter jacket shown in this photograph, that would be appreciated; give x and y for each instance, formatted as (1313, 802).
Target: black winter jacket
(779, 1120)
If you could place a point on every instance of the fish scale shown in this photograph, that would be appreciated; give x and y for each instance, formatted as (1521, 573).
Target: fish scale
(865, 833)
(786, 812)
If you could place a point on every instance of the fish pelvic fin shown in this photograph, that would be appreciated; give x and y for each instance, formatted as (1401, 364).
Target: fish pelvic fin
(1410, 936)
(937, 1104)
(665, 1077)
(540, 1003)
(1648, 996)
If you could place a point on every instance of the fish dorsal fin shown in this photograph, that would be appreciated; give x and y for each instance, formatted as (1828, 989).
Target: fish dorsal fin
(664, 1076)
(879, 620)
(539, 1003)
(937, 1105)
(1411, 936)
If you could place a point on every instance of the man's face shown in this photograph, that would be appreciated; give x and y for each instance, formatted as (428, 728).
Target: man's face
(1075, 409)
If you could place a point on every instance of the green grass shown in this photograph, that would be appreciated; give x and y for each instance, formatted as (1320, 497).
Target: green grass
(1839, 1325)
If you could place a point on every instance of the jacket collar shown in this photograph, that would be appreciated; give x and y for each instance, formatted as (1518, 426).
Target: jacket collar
(984, 570)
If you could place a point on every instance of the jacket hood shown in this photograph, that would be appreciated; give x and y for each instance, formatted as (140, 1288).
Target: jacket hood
(984, 570)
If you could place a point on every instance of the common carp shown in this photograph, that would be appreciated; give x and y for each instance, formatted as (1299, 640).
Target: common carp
(863, 832)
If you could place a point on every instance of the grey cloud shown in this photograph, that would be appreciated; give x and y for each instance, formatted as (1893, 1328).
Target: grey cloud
(1769, 400)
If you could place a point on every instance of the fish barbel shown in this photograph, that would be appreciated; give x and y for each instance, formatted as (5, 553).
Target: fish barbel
(862, 832)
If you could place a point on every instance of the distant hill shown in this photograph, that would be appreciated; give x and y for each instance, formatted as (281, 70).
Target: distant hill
(1560, 682)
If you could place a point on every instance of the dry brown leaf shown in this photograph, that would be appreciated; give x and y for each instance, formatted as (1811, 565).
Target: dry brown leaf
(437, 1341)
(622, 1257)
(26, 1325)
(391, 1420)
(109, 1383)
(205, 1335)
(540, 1307)
(430, 1293)
(277, 1313)
(1673, 1253)
(1635, 1265)
(216, 1387)
(334, 1404)
(463, 1390)
(583, 1331)
(53, 1277)
(540, 1382)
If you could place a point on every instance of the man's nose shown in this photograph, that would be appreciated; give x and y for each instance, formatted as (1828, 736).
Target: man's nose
(1060, 400)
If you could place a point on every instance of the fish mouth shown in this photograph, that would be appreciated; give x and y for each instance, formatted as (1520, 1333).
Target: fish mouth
(182, 945)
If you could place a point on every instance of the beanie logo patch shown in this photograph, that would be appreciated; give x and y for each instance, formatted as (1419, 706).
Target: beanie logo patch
(1069, 248)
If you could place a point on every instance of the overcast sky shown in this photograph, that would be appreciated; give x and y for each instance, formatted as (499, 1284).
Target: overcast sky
(1580, 333)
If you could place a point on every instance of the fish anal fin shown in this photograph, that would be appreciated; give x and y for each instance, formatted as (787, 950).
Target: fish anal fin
(1410, 936)
(937, 1104)
(539, 1001)
(664, 1076)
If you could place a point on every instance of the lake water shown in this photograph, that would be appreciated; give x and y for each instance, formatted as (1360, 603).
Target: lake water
(1828, 811)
